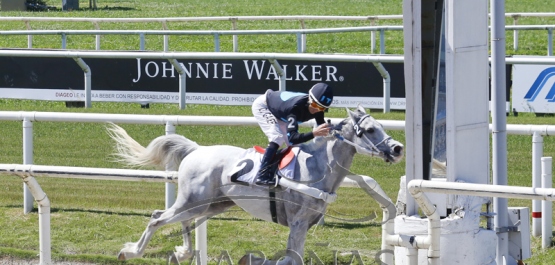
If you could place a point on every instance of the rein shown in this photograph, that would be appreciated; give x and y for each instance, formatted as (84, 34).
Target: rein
(374, 151)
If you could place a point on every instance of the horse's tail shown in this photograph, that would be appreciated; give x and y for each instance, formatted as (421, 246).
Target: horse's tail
(162, 151)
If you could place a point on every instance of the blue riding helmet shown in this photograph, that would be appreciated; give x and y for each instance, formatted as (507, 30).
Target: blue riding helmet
(322, 94)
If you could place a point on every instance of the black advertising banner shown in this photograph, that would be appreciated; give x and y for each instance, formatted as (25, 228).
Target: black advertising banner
(226, 82)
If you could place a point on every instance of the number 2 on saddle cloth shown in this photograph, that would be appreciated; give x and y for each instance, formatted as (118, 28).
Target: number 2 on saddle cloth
(249, 163)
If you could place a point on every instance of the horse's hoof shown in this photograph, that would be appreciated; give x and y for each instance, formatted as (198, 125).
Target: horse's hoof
(251, 259)
(244, 260)
(173, 259)
(121, 256)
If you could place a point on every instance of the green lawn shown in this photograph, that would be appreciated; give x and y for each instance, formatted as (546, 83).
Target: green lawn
(92, 219)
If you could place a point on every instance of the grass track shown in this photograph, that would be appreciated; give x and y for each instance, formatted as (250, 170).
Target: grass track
(92, 219)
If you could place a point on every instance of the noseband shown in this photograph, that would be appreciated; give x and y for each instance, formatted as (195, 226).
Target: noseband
(374, 151)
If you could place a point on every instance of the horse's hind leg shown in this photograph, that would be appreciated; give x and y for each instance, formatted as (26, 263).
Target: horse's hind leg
(134, 250)
(184, 252)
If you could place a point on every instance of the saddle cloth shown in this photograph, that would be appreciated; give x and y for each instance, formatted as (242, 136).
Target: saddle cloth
(248, 163)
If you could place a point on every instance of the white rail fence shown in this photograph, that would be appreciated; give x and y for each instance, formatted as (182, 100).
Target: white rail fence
(31, 188)
(301, 39)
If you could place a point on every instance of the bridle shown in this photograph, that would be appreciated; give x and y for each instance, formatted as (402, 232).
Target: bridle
(373, 151)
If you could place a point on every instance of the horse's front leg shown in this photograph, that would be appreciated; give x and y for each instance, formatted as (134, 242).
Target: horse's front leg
(295, 243)
(293, 255)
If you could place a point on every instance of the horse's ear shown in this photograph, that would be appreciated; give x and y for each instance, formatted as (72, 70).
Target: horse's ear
(361, 109)
(352, 114)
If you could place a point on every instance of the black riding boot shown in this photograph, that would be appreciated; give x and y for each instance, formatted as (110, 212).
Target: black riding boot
(265, 175)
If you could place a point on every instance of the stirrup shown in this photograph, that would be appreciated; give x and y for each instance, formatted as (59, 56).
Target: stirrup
(266, 181)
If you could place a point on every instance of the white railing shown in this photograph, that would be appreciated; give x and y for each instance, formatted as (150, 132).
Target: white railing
(170, 121)
(300, 33)
(301, 46)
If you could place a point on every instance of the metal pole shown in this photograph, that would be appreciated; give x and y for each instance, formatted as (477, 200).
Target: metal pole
(64, 40)
(142, 41)
(299, 43)
(386, 86)
(166, 37)
(499, 126)
(97, 38)
(216, 42)
(280, 72)
(201, 242)
(170, 187)
(550, 42)
(29, 37)
(382, 41)
(235, 37)
(27, 160)
(88, 87)
(182, 82)
(537, 153)
(515, 34)
(547, 228)
(303, 38)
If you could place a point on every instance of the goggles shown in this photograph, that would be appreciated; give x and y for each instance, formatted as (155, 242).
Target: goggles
(317, 106)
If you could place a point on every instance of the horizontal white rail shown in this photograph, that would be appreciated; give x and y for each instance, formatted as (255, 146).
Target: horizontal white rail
(517, 129)
(202, 32)
(206, 55)
(236, 18)
(485, 190)
(199, 19)
(89, 173)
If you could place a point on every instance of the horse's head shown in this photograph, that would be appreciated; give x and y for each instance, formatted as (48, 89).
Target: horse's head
(368, 136)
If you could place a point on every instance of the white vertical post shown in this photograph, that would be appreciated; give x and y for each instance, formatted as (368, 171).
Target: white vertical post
(216, 42)
(299, 42)
(386, 86)
(303, 38)
(44, 234)
(182, 82)
(142, 41)
(412, 32)
(537, 153)
(29, 37)
(499, 126)
(515, 34)
(382, 41)
(280, 72)
(170, 187)
(201, 242)
(64, 41)
(166, 37)
(88, 86)
(550, 42)
(27, 160)
(97, 38)
(235, 38)
(547, 223)
(372, 37)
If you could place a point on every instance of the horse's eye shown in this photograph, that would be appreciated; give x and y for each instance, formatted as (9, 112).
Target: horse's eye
(370, 130)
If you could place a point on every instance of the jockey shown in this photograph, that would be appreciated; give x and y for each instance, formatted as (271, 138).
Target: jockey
(279, 114)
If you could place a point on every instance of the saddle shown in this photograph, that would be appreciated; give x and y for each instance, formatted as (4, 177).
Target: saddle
(248, 165)
(282, 158)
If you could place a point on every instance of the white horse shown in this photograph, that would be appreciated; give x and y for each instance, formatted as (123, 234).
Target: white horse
(204, 189)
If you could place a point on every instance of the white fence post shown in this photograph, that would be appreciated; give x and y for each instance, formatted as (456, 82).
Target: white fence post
(547, 228)
(537, 153)
(170, 187)
(27, 160)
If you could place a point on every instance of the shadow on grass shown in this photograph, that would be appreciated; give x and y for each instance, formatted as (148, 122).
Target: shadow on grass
(59, 210)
